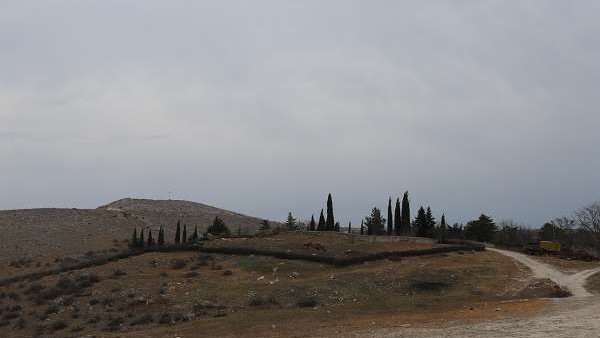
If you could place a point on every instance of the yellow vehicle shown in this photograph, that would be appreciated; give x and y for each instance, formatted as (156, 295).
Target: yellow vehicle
(542, 247)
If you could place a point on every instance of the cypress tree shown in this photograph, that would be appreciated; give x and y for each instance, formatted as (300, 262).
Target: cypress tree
(430, 222)
(184, 237)
(349, 227)
(161, 237)
(362, 228)
(150, 239)
(195, 234)
(321, 226)
(141, 239)
(397, 219)
(313, 225)
(390, 221)
(443, 231)
(133, 242)
(178, 233)
(291, 223)
(405, 223)
(330, 222)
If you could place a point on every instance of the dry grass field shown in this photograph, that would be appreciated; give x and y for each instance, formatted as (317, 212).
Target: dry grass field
(191, 294)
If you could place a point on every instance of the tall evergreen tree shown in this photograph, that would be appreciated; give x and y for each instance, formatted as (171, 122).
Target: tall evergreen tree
(161, 237)
(184, 237)
(405, 215)
(481, 230)
(291, 223)
(421, 223)
(349, 227)
(443, 230)
(362, 228)
(178, 233)
(141, 242)
(430, 222)
(195, 234)
(397, 219)
(150, 239)
(330, 221)
(313, 225)
(375, 223)
(390, 220)
(218, 228)
(133, 242)
(321, 226)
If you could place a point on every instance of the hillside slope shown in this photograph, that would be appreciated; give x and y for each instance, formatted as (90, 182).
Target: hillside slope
(156, 213)
(59, 232)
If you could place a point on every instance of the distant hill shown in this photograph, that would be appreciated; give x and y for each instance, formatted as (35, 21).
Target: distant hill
(156, 213)
(60, 232)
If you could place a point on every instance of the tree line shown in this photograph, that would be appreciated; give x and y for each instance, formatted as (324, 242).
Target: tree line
(400, 223)
(140, 240)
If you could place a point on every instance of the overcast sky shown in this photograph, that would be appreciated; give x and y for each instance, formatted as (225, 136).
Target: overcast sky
(263, 107)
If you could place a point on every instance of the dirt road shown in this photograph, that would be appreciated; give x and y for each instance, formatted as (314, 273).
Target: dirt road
(573, 282)
(575, 317)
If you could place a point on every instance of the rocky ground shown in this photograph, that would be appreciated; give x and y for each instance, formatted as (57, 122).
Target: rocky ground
(47, 234)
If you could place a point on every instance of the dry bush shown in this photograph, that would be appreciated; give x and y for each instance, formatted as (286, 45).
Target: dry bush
(171, 318)
(116, 273)
(114, 324)
(52, 308)
(145, 319)
(307, 301)
(58, 325)
(34, 289)
(178, 264)
(191, 274)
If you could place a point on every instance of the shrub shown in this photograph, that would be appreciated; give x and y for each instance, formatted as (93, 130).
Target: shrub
(86, 280)
(77, 328)
(34, 289)
(11, 315)
(53, 308)
(58, 325)
(191, 274)
(115, 324)
(116, 273)
(170, 318)
(20, 323)
(145, 319)
(178, 264)
(307, 302)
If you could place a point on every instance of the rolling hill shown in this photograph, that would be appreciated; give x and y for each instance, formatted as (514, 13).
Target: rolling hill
(59, 232)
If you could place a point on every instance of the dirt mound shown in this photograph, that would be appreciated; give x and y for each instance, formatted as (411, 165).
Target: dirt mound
(544, 288)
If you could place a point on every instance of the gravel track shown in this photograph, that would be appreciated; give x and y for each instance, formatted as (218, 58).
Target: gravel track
(574, 317)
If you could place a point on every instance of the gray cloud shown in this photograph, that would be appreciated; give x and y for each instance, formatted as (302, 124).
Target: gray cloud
(266, 106)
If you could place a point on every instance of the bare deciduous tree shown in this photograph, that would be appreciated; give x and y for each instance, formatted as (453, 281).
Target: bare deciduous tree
(588, 219)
